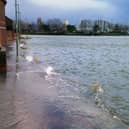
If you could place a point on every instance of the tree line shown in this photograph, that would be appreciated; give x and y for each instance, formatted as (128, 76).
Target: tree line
(56, 26)
(51, 26)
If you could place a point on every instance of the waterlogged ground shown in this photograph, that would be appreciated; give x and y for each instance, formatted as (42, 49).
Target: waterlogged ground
(33, 97)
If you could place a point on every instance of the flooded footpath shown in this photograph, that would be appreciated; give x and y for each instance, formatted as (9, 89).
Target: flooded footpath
(31, 99)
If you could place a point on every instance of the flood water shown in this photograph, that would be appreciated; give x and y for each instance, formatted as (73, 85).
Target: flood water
(33, 97)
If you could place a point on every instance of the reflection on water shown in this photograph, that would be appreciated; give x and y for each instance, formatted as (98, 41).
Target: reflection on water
(57, 92)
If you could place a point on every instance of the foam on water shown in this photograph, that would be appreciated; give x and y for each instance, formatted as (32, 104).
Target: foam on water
(21, 45)
(29, 58)
(49, 70)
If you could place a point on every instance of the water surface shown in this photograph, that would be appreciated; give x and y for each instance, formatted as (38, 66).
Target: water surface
(84, 61)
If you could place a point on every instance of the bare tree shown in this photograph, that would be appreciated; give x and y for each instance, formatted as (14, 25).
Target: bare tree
(55, 25)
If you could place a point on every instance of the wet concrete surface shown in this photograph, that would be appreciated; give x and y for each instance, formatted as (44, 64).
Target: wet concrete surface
(29, 101)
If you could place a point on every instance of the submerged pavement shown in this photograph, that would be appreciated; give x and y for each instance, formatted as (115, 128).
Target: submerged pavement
(30, 100)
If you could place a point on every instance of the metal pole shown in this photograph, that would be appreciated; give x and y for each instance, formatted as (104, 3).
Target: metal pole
(19, 22)
(16, 26)
(19, 26)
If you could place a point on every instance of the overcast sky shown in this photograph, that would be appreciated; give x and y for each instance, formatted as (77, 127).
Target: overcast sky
(72, 10)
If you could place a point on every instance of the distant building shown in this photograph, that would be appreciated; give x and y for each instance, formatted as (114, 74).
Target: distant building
(104, 26)
(2, 23)
(86, 26)
(66, 23)
(39, 24)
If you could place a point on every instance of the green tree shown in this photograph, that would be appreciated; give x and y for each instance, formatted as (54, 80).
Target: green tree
(117, 29)
(96, 28)
(45, 28)
(71, 28)
(55, 25)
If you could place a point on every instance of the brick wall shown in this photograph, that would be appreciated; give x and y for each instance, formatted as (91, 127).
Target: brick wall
(2, 10)
(10, 36)
(2, 23)
(2, 37)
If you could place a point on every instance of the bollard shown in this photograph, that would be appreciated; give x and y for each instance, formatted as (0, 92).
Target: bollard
(3, 62)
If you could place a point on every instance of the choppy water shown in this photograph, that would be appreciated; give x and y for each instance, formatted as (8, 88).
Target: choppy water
(83, 61)
(54, 85)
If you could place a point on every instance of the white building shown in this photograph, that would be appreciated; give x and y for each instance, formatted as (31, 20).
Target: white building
(104, 26)
(86, 26)
(66, 22)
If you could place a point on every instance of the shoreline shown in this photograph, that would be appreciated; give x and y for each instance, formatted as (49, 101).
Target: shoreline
(74, 34)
